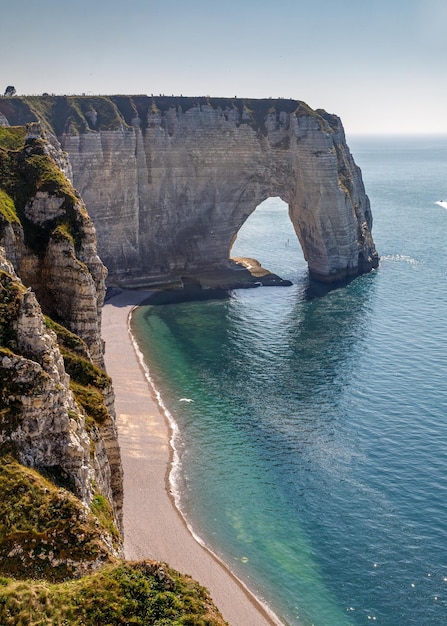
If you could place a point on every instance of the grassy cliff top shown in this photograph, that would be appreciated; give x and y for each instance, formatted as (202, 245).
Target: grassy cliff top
(12, 137)
(82, 114)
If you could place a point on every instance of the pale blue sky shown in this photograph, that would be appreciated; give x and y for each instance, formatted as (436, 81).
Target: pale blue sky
(379, 64)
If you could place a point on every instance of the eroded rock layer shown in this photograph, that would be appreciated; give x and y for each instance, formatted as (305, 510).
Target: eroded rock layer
(56, 400)
(169, 181)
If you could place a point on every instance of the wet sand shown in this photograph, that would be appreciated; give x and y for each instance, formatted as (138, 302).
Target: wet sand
(153, 526)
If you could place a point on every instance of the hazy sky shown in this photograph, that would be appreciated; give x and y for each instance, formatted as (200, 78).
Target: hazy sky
(380, 65)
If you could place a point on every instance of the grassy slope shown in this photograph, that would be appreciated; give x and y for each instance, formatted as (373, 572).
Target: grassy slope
(43, 529)
(146, 593)
(45, 532)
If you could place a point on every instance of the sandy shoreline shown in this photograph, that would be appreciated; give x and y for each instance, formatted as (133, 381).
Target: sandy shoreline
(153, 526)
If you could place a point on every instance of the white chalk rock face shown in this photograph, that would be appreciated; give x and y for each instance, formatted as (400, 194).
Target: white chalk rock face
(49, 264)
(168, 194)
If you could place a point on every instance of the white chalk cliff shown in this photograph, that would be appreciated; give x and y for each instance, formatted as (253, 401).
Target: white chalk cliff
(56, 400)
(169, 181)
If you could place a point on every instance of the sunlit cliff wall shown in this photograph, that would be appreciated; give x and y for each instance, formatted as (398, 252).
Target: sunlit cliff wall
(169, 181)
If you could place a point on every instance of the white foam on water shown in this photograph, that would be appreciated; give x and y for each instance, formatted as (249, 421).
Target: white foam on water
(400, 257)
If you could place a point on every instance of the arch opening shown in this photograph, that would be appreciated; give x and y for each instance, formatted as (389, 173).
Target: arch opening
(268, 236)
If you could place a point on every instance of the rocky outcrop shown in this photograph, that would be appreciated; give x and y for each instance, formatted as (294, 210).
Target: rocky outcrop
(42, 426)
(56, 401)
(51, 241)
(44, 423)
(170, 181)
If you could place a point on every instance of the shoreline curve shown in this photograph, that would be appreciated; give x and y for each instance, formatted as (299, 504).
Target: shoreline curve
(154, 527)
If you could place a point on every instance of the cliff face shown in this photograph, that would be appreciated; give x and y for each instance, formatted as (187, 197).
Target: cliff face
(170, 181)
(56, 401)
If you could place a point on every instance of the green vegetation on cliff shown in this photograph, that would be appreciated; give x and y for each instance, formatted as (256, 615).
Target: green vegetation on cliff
(75, 114)
(92, 401)
(45, 533)
(38, 172)
(146, 593)
(87, 380)
(23, 173)
(28, 170)
(83, 114)
(7, 208)
(46, 536)
(10, 295)
(12, 137)
(84, 372)
(66, 339)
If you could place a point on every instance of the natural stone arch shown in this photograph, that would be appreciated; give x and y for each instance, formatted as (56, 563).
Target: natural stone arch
(170, 181)
(304, 161)
(210, 170)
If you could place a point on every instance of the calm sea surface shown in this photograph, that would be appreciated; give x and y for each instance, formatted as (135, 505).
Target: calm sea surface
(313, 452)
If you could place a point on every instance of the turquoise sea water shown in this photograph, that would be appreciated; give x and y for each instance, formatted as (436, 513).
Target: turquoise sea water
(314, 450)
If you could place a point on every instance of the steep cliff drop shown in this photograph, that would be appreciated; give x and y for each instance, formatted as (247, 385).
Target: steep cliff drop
(56, 401)
(169, 181)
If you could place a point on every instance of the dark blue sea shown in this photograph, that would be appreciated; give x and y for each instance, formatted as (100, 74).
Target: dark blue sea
(312, 442)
